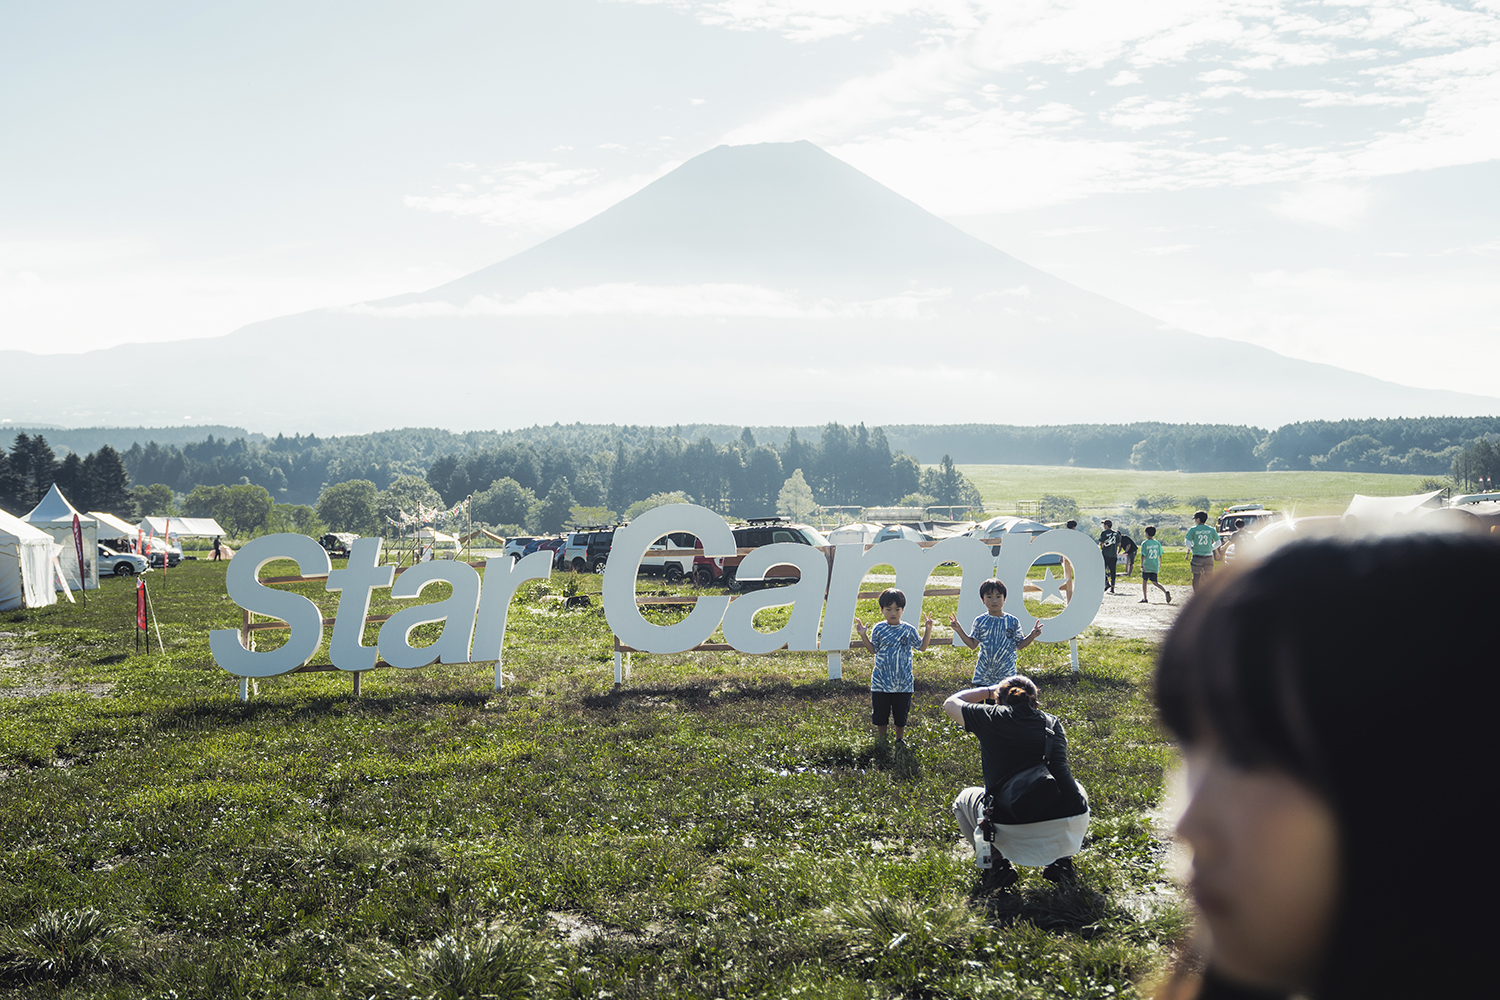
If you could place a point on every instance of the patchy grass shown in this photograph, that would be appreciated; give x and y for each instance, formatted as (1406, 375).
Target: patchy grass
(722, 825)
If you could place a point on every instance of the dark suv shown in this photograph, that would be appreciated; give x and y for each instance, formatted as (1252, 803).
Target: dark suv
(753, 534)
(587, 549)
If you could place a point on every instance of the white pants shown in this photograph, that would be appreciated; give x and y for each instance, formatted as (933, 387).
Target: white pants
(1035, 844)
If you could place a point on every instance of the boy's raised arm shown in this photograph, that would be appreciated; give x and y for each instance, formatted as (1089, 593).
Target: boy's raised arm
(926, 635)
(958, 630)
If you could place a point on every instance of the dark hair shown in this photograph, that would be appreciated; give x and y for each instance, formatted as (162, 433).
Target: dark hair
(1200, 516)
(891, 596)
(1017, 689)
(992, 586)
(1072, 523)
(1150, 531)
(1108, 523)
(1239, 522)
(1294, 665)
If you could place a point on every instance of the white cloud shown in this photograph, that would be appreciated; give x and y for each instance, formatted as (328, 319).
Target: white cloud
(1337, 205)
(1162, 251)
(1426, 75)
(630, 299)
(531, 198)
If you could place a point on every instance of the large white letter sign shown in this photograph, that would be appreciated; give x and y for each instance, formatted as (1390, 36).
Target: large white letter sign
(805, 596)
(363, 575)
(1016, 557)
(456, 613)
(625, 554)
(913, 565)
(242, 581)
(501, 578)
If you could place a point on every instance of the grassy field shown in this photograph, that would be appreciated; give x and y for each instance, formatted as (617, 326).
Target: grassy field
(1003, 486)
(721, 826)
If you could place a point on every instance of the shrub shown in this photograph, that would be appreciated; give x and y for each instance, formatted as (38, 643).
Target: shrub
(61, 945)
(493, 964)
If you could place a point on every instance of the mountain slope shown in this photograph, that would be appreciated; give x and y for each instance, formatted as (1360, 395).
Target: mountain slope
(754, 284)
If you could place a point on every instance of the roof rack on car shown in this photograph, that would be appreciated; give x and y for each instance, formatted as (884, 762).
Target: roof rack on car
(768, 520)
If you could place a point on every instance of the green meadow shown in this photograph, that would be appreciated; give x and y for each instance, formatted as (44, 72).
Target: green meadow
(1004, 486)
(719, 826)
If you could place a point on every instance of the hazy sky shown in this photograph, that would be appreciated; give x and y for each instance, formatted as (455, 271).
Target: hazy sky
(1318, 178)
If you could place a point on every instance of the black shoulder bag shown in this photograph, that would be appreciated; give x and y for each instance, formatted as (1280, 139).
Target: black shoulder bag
(1029, 793)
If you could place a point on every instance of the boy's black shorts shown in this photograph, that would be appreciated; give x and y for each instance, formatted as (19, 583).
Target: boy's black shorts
(1147, 577)
(884, 704)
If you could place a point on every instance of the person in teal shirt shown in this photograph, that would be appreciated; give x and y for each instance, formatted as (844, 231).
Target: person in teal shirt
(1202, 541)
(1151, 565)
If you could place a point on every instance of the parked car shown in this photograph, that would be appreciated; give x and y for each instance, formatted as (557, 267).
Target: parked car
(674, 568)
(756, 532)
(158, 551)
(588, 549)
(337, 544)
(553, 545)
(1254, 515)
(516, 548)
(120, 563)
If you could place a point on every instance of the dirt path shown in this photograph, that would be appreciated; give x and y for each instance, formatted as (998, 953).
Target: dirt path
(1121, 614)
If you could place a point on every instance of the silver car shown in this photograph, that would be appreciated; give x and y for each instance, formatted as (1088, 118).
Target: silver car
(120, 563)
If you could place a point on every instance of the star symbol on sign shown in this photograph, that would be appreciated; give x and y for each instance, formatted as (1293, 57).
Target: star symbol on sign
(1051, 586)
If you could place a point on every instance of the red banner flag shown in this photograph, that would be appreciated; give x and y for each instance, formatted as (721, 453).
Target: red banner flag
(83, 573)
(140, 606)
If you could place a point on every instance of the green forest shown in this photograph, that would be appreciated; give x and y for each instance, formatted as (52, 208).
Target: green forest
(356, 482)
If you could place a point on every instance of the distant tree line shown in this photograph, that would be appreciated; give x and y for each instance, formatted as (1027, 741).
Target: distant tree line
(539, 476)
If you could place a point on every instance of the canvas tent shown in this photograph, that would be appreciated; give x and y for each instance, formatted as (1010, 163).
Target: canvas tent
(54, 515)
(858, 533)
(26, 557)
(111, 527)
(999, 527)
(1384, 508)
(182, 527)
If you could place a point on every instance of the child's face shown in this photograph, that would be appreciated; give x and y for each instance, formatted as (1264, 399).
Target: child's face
(994, 603)
(892, 612)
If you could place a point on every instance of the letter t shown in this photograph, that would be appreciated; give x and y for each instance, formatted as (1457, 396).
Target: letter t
(362, 576)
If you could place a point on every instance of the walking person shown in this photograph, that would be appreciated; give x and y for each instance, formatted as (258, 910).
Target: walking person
(1109, 541)
(216, 553)
(1202, 543)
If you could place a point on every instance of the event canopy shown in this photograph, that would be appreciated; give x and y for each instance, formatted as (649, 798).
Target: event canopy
(860, 532)
(183, 527)
(26, 558)
(111, 526)
(1381, 508)
(55, 515)
(1010, 524)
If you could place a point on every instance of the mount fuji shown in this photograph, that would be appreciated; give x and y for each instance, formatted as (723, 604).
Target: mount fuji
(769, 283)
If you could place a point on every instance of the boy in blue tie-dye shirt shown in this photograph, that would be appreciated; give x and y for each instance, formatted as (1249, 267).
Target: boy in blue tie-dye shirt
(996, 635)
(893, 642)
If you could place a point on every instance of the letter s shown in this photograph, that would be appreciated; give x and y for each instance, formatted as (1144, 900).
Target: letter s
(242, 581)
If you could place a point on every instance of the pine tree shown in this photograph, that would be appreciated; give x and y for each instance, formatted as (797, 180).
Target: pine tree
(108, 483)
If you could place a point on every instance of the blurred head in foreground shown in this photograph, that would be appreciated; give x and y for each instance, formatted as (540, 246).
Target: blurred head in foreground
(1328, 702)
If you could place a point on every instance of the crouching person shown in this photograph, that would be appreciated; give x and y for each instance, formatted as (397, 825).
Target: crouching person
(1030, 810)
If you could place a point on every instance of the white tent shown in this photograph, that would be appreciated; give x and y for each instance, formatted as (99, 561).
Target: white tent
(54, 515)
(1382, 508)
(26, 555)
(858, 533)
(182, 527)
(1007, 524)
(893, 531)
(112, 527)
